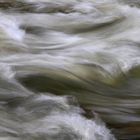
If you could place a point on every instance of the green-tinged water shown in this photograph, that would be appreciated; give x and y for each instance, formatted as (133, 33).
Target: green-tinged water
(69, 70)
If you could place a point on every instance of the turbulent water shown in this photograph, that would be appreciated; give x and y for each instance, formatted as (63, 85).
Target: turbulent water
(69, 70)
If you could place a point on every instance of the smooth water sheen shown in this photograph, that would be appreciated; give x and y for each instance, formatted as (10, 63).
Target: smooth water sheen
(69, 70)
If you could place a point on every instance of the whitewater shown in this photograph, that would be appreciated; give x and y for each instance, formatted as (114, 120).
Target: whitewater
(69, 70)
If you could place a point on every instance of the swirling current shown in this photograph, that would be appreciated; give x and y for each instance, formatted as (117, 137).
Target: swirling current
(69, 70)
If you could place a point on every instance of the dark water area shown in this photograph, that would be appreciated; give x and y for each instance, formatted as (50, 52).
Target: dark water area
(69, 70)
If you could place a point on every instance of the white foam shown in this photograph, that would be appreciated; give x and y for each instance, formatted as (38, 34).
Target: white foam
(11, 27)
(76, 124)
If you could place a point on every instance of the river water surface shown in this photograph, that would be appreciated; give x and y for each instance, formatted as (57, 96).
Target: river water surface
(69, 70)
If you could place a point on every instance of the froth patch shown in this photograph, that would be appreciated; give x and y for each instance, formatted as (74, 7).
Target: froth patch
(10, 27)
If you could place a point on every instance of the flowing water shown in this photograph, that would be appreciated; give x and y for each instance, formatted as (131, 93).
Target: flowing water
(69, 70)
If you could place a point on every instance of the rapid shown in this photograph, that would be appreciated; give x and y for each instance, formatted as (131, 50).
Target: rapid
(69, 70)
